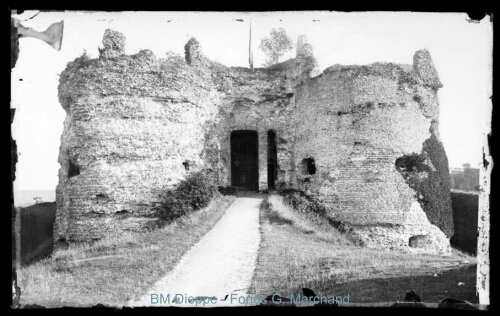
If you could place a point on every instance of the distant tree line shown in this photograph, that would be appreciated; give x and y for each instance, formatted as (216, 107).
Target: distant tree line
(466, 180)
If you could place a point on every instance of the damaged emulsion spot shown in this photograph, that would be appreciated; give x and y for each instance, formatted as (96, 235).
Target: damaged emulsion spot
(186, 164)
(485, 162)
(476, 16)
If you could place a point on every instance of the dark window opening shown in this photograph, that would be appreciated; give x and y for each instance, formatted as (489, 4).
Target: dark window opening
(73, 170)
(308, 166)
(244, 160)
(272, 160)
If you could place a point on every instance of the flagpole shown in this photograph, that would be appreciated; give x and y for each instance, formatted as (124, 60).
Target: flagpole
(250, 53)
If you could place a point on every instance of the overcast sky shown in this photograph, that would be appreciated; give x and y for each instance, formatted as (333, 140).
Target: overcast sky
(461, 52)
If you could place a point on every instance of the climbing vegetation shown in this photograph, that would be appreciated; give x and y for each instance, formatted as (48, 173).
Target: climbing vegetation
(192, 194)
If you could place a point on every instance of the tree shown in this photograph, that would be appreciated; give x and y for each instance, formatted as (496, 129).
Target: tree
(275, 46)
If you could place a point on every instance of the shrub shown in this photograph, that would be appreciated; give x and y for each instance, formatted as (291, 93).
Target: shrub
(302, 202)
(174, 207)
(192, 194)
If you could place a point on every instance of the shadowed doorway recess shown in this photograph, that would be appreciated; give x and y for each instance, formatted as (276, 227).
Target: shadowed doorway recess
(244, 160)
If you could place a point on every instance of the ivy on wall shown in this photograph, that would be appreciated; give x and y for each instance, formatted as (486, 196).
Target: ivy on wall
(431, 184)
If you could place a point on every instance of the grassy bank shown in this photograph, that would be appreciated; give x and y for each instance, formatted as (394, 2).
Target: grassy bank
(115, 270)
(299, 250)
(37, 223)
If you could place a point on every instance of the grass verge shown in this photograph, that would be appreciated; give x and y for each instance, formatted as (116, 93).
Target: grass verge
(37, 222)
(298, 250)
(115, 270)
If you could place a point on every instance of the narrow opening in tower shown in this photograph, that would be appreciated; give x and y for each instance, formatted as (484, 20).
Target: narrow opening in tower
(308, 166)
(73, 170)
(272, 160)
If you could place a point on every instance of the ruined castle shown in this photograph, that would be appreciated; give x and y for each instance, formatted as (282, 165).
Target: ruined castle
(363, 140)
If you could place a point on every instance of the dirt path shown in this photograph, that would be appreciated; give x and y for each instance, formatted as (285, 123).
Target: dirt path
(221, 263)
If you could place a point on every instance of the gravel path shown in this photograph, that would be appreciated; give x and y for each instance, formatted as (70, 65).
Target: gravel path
(221, 263)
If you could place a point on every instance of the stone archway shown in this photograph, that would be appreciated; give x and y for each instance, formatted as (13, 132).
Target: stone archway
(245, 160)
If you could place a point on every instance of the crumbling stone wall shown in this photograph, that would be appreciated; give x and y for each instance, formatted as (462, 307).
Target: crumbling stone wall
(133, 123)
(355, 122)
(264, 100)
(130, 125)
(259, 101)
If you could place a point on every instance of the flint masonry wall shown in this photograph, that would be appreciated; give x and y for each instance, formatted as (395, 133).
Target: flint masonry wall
(129, 127)
(355, 122)
(358, 125)
(133, 120)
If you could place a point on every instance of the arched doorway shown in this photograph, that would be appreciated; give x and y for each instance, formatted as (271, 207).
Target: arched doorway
(245, 160)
